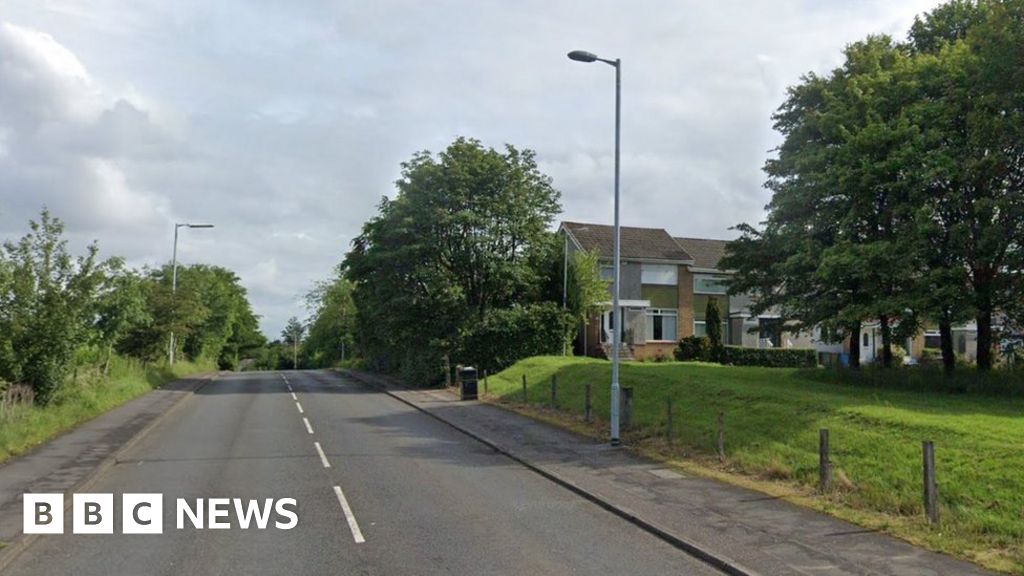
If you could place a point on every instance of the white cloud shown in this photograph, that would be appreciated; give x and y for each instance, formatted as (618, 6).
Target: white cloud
(284, 123)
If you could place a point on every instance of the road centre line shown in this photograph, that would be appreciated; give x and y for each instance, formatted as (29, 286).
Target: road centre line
(323, 457)
(299, 406)
(294, 397)
(308, 427)
(357, 534)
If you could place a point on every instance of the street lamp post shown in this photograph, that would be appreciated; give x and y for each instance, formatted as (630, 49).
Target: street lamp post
(174, 279)
(582, 56)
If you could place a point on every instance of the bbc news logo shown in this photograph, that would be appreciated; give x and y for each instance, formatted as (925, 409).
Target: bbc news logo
(143, 513)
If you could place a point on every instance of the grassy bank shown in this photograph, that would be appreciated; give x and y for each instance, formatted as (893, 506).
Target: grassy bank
(88, 396)
(772, 418)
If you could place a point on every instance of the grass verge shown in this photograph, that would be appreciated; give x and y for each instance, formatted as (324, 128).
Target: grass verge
(772, 418)
(83, 399)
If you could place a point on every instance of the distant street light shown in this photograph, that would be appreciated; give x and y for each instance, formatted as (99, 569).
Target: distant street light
(174, 278)
(583, 56)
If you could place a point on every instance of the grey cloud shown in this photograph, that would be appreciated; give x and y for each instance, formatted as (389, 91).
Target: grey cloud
(284, 123)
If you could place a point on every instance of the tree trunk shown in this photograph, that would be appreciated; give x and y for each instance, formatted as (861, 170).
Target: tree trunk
(886, 341)
(984, 339)
(855, 345)
(946, 343)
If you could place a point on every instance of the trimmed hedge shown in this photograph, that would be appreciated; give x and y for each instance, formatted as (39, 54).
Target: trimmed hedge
(770, 357)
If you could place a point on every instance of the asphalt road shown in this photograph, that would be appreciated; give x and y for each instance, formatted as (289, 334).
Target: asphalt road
(380, 488)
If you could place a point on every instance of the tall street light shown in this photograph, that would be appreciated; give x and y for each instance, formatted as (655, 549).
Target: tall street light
(582, 56)
(174, 278)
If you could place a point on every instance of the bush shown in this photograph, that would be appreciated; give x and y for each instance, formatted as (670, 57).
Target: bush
(508, 335)
(770, 357)
(692, 348)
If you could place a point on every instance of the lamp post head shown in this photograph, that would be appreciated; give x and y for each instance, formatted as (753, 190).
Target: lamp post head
(582, 56)
(200, 225)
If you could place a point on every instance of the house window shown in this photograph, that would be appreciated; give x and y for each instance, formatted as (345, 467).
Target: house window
(700, 329)
(607, 273)
(661, 324)
(866, 344)
(708, 284)
(659, 274)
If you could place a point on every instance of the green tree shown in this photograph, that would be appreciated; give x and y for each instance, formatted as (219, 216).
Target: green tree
(292, 337)
(332, 327)
(461, 237)
(47, 306)
(121, 308)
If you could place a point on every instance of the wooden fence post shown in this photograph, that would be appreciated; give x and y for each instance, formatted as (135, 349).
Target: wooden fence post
(485, 381)
(931, 488)
(524, 388)
(824, 461)
(588, 409)
(554, 391)
(721, 435)
(668, 421)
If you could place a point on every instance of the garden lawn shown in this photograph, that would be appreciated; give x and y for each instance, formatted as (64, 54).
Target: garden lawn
(88, 397)
(772, 419)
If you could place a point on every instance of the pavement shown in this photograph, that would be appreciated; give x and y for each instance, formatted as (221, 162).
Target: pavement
(69, 461)
(739, 530)
(381, 488)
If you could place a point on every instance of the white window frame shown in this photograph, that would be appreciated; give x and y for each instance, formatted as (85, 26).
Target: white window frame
(698, 289)
(664, 313)
(607, 272)
(659, 274)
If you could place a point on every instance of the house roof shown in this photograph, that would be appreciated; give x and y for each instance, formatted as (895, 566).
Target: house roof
(706, 252)
(636, 243)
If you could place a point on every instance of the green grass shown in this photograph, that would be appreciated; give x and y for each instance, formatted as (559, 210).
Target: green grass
(772, 418)
(83, 400)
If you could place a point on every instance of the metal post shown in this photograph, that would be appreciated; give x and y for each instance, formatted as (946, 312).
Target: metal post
(617, 314)
(627, 407)
(174, 289)
(931, 488)
(565, 283)
(824, 461)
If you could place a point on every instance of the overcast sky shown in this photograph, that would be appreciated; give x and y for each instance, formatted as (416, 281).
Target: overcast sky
(284, 122)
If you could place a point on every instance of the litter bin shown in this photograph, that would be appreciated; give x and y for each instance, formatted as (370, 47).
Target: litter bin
(467, 387)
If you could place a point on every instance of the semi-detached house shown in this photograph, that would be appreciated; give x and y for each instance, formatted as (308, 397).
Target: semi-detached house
(666, 283)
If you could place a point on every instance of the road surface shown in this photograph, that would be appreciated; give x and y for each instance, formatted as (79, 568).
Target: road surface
(380, 488)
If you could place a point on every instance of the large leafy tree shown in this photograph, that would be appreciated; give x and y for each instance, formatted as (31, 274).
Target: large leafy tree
(457, 240)
(47, 306)
(897, 189)
(291, 336)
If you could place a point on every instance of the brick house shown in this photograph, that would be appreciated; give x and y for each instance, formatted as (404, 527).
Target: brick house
(666, 284)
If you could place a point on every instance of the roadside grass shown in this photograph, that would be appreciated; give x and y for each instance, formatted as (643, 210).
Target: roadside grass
(772, 418)
(88, 396)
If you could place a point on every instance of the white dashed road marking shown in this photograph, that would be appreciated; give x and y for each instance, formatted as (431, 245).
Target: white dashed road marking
(357, 534)
(308, 427)
(323, 457)
(299, 406)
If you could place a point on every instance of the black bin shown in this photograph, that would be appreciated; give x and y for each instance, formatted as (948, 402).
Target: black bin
(468, 387)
